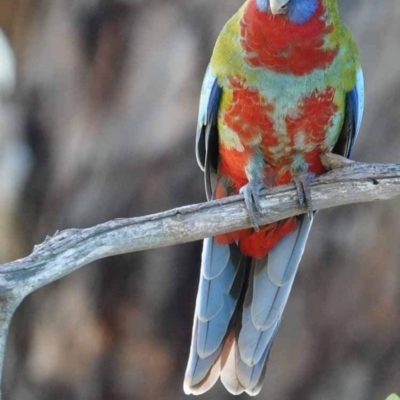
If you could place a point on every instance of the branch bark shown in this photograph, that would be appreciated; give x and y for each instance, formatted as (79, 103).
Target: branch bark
(347, 183)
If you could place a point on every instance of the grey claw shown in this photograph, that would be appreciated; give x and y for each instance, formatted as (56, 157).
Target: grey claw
(303, 186)
(251, 193)
(300, 192)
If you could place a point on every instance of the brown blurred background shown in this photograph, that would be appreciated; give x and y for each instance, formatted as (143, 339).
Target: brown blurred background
(101, 125)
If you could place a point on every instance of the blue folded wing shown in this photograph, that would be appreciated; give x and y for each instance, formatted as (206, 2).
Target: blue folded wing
(352, 119)
(207, 130)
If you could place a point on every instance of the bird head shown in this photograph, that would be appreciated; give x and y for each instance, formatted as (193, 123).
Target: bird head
(297, 11)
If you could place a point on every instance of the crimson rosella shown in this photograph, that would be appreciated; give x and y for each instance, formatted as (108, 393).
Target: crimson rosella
(284, 85)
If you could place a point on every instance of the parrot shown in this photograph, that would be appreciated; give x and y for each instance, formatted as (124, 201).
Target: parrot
(284, 85)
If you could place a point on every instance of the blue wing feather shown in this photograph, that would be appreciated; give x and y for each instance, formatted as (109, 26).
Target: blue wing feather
(208, 110)
(354, 108)
(355, 104)
(358, 98)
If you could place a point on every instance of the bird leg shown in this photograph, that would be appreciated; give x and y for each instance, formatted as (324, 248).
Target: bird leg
(302, 180)
(251, 193)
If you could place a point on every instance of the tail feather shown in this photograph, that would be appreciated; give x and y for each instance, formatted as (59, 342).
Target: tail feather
(212, 293)
(252, 342)
(197, 368)
(207, 382)
(257, 389)
(265, 301)
(214, 258)
(211, 333)
(250, 376)
(208, 336)
(238, 311)
(268, 300)
(280, 255)
(229, 376)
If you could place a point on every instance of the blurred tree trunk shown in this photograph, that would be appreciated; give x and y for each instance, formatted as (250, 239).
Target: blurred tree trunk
(108, 93)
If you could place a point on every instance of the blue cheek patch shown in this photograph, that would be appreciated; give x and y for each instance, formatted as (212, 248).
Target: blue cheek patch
(263, 5)
(300, 11)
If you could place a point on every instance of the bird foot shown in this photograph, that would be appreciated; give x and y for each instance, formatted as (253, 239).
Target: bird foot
(251, 193)
(302, 180)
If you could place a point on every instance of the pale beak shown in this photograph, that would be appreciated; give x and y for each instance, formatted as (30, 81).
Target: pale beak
(278, 6)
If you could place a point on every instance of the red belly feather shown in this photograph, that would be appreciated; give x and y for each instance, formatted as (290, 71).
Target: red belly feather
(251, 115)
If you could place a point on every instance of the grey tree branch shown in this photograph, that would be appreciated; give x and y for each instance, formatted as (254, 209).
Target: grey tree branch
(71, 249)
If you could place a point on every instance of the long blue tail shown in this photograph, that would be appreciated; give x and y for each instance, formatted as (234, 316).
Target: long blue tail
(239, 306)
